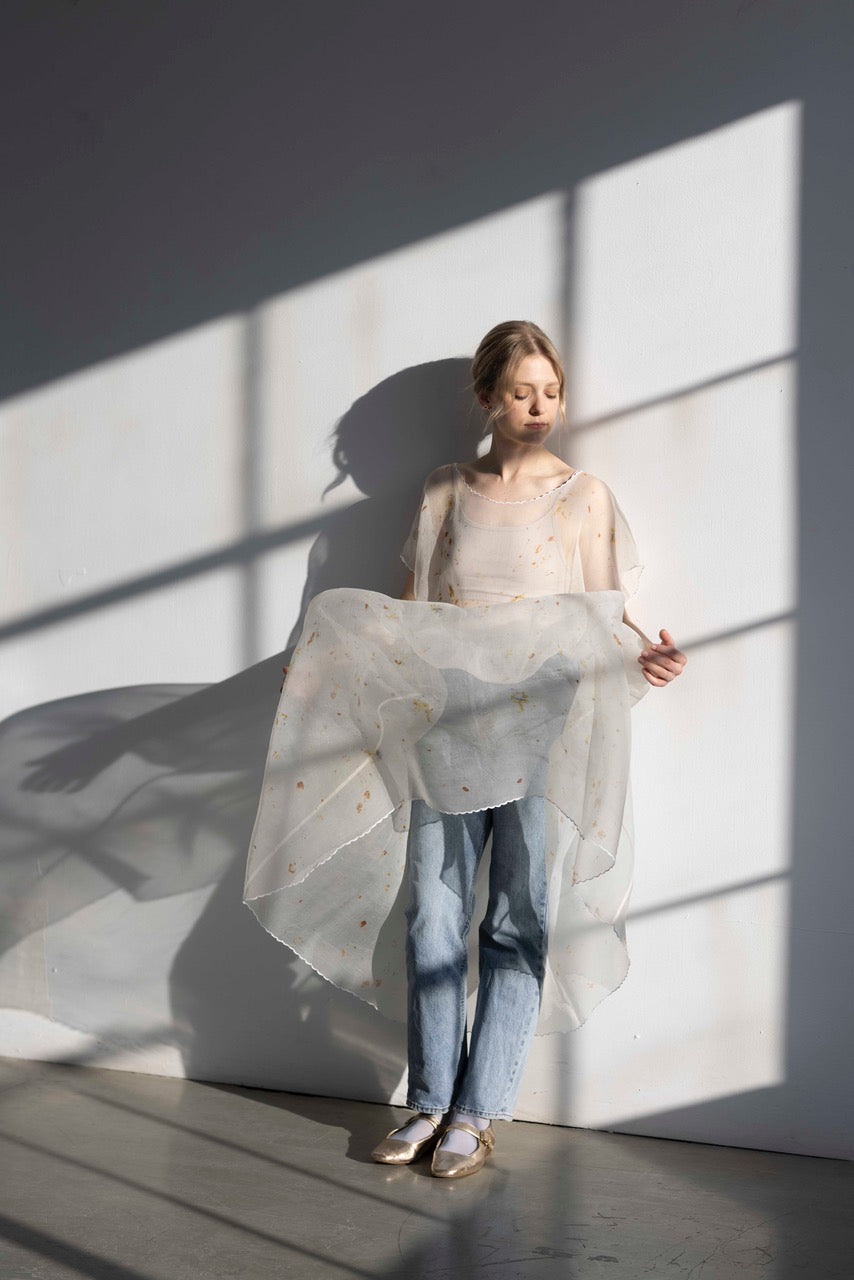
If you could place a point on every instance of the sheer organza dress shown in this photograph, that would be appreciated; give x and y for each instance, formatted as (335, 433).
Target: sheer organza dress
(511, 674)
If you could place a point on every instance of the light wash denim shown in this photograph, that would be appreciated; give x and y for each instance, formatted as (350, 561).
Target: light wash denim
(443, 853)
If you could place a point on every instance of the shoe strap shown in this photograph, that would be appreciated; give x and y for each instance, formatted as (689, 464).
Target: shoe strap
(482, 1135)
(435, 1121)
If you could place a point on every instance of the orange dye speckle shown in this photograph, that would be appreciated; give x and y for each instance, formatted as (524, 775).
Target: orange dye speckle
(362, 924)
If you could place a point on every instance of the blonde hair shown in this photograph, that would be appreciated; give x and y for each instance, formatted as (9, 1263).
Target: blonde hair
(498, 357)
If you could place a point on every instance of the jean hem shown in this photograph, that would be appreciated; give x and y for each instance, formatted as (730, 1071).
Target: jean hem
(484, 1115)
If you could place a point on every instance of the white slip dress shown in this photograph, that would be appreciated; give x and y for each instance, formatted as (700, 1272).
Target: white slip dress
(511, 674)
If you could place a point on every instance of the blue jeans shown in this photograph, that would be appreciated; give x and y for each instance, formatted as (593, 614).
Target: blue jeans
(443, 853)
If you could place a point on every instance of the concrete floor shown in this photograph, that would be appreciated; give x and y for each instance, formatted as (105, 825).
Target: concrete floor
(130, 1177)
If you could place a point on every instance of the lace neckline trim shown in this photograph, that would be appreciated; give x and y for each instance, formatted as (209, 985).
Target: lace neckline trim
(512, 502)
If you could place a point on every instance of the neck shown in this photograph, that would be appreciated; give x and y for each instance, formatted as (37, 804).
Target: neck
(510, 461)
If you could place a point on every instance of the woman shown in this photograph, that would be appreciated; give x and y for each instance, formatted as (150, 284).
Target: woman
(500, 684)
(519, 382)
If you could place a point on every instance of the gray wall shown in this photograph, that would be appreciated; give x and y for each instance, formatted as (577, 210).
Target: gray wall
(172, 167)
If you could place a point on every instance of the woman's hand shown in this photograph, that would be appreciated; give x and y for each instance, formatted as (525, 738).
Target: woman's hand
(284, 678)
(661, 663)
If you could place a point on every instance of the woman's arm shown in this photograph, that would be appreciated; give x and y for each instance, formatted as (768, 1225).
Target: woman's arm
(636, 628)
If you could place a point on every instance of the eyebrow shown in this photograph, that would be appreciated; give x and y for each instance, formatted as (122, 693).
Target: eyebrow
(518, 383)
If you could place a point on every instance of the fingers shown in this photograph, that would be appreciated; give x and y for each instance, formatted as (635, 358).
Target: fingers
(661, 663)
(665, 674)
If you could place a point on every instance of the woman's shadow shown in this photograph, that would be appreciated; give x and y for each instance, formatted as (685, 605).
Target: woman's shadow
(153, 791)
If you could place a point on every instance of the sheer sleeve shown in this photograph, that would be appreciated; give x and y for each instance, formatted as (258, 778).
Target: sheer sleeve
(408, 550)
(609, 556)
(418, 552)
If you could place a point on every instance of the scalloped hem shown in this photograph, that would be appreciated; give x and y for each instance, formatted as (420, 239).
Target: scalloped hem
(562, 1011)
(292, 884)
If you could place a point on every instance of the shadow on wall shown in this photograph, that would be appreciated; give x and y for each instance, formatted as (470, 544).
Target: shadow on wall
(127, 813)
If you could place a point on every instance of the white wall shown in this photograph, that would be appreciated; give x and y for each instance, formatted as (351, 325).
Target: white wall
(169, 504)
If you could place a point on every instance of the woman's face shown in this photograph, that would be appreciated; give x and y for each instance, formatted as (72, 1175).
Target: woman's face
(533, 404)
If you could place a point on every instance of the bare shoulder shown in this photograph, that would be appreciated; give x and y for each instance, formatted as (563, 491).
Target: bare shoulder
(594, 486)
(440, 476)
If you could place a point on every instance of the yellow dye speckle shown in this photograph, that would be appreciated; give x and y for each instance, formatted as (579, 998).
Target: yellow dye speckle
(520, 699)
(613, 538)
(378, 982)
(275, 755)
(420, 705)
(366, 794)
(292, 866)
(359, 807)
(343, 952)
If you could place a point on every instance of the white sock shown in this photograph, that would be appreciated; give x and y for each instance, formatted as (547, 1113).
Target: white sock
(457, 1140)
(415, 1130)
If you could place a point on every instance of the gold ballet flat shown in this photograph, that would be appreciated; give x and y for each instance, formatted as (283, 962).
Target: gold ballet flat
(394, 1150)
(450, 1164)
